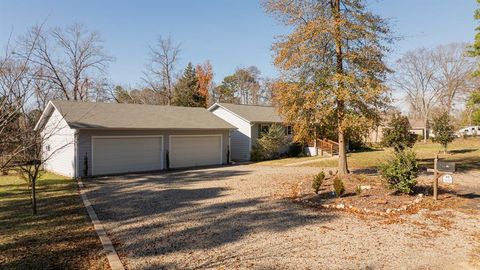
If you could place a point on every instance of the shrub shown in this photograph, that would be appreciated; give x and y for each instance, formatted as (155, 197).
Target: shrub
(358, 190)
(294, 149)
(317, 181)
(256, 154)
(338, 186)
(398, 134)
(400, 171)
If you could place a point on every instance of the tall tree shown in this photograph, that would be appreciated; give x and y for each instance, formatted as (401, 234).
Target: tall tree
(415, 76)
(204, 73)
(223, 93)
(474, 49)
(453, 73)
(160, 71)
(186, 90)
(334, 60)
(71, 62)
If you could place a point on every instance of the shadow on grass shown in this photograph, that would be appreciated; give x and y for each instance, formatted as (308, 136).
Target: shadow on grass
(463, 151)
(184, 211)
(463, 164)
(59, 237)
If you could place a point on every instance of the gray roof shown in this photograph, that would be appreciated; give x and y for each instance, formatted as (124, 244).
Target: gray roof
(136, 116)
(253, 113)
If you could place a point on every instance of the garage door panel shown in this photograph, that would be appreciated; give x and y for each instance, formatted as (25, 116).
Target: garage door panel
(126, 154)
(190, 151)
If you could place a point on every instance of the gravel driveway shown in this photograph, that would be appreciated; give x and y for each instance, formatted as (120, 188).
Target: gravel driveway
(234, 218)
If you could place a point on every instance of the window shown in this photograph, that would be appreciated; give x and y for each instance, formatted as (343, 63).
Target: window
(47, 148)
(263, 128)
(288, 130)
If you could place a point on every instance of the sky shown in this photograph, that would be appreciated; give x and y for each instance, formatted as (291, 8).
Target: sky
(229, 33)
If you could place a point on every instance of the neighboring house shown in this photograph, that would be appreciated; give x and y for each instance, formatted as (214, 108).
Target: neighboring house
(250, 121)
(417, 126)
(110, 138)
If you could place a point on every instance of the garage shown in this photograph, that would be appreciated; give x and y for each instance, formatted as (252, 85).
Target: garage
(195, 150)
(120, 154)
(115, 138)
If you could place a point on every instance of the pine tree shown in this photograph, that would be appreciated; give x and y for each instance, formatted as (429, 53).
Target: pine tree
(187, 91)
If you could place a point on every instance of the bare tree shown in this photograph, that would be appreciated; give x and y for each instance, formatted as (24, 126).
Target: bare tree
(160, 71)
(71, 62)
(415, 76)
(16, 83)
(453, 70)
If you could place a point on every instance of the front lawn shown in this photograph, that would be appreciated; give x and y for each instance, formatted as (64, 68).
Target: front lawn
(465, 152)
(60, 236)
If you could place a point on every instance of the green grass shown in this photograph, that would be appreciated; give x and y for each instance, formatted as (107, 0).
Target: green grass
(60, 236)
(465, 152)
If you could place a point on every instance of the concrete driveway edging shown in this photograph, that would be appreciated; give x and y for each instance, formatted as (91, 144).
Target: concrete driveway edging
(112, 256)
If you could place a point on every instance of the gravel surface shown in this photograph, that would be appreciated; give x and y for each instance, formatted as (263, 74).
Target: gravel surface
(235, 218)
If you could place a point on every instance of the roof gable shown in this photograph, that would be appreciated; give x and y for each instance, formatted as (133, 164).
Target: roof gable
(252, 113)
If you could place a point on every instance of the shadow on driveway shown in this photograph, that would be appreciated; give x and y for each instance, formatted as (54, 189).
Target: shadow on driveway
(183, 211)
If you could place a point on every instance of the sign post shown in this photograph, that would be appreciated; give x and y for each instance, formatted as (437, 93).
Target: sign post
(441, 168)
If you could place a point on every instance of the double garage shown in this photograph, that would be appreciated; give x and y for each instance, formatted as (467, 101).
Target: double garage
(92, 139)
(136, 153)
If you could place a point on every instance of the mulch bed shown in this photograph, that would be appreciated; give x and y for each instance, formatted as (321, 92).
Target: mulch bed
(375, 196)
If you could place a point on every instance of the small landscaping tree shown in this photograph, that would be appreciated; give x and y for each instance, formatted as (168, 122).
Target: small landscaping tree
(398, 134)
(443, 130)
(270, 143)
(317, 181)
(338, 186)
(401, 170)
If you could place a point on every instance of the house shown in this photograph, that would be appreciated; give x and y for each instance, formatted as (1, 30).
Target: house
(417, 126)
(250, 121)
(108, 138)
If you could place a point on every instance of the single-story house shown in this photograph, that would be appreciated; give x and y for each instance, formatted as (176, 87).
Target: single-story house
(250, 121)
(93, 138)
(417, 126)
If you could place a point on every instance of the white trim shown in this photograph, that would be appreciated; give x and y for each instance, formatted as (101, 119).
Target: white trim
(202, 135)
(218, 105)
(127, 136)
(49, 104)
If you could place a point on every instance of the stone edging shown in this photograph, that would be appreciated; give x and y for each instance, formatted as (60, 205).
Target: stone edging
(343, 206)
(112, 256)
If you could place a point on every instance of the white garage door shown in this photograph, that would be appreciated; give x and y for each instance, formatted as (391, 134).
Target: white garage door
(126, 154)
(191, 151)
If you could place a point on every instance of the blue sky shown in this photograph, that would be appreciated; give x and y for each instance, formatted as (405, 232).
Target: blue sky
(229, 33)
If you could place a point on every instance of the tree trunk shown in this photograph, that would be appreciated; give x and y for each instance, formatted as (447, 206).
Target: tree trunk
(34, 198)
(425, 122)
(342, 149)
(342, 154)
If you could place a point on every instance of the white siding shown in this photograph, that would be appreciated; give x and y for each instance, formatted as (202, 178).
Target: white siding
(58, 146)
(240, 139)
